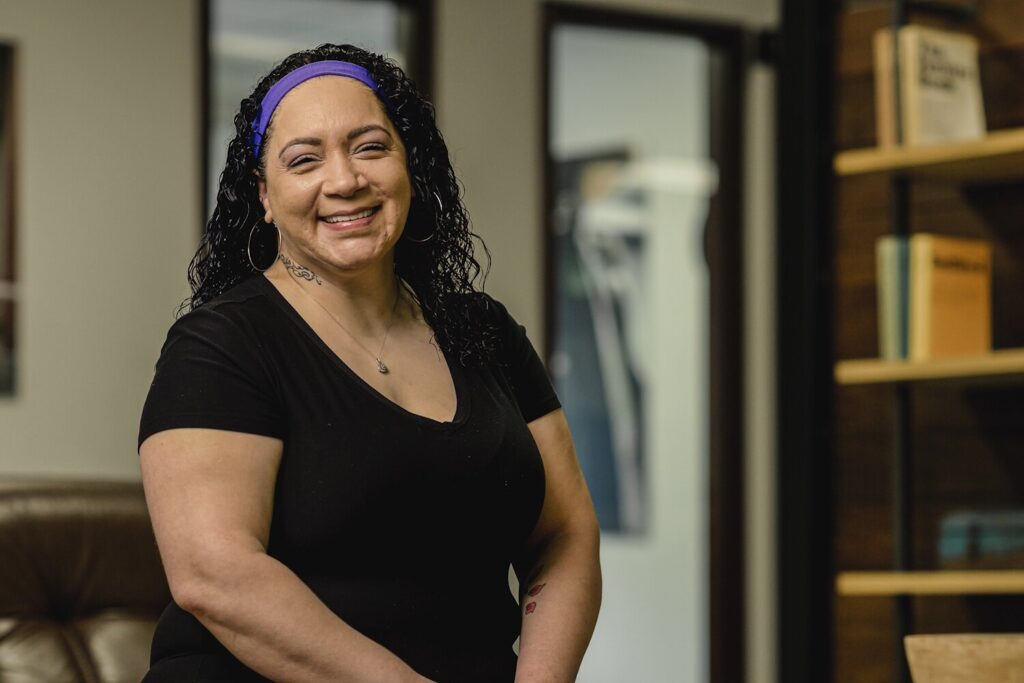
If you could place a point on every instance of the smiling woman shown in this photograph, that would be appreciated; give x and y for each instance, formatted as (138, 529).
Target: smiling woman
(345, 445)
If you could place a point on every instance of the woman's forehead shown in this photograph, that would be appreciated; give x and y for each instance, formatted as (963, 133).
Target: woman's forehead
(328, 102)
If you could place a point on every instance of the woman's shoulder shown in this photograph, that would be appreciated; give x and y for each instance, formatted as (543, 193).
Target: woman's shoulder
(241, 307)
(214, 370)
(248, 294)
(508, 334)
(231, 330)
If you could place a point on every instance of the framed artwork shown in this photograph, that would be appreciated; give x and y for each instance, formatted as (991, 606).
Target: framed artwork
(599, 245)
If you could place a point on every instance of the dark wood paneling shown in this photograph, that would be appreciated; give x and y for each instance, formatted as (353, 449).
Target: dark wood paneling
(863, 643)
(804, 115)
(862, 654)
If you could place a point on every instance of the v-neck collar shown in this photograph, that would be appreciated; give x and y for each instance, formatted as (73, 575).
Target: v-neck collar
(455, 370)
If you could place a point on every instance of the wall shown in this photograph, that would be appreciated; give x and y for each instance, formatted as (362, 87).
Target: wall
(108, 204)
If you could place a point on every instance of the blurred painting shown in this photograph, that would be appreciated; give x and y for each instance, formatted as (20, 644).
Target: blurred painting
(596, 360)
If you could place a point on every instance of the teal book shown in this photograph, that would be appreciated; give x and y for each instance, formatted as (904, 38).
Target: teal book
(992, 539)
(892, 265)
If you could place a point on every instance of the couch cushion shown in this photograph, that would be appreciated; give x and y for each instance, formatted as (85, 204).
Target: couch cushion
(81, 584)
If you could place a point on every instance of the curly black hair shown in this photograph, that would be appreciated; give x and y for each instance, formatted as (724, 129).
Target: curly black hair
(440, 271)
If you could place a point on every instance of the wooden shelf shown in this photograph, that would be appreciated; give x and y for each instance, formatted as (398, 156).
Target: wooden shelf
(1001, 363)
(930, 583)
(998, 156)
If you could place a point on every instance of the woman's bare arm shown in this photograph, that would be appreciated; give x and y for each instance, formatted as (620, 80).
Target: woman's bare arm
(560, 570)
(210, 497)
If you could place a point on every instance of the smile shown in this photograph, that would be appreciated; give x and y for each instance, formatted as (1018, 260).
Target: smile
(350, 218)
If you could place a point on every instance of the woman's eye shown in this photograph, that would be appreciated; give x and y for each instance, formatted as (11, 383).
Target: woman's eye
(299, 161)
(373, 147)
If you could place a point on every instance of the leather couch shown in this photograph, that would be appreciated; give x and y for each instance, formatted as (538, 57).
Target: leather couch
(81, 584)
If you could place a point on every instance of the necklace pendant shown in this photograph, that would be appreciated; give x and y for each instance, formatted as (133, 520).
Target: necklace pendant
(381, 368)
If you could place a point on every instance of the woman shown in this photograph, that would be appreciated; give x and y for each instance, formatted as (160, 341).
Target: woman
(342, 454)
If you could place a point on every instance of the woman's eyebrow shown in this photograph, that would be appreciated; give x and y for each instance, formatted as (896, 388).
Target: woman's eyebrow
(362, 130)
(352, 135)
(298, 141)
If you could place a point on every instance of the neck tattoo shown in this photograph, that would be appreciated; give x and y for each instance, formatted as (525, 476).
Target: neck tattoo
(306, 274)
(300, 271)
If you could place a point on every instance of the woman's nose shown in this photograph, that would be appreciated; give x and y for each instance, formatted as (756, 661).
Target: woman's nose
(343, 177)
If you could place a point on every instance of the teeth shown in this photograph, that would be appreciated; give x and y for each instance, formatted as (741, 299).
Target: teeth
(346, 219)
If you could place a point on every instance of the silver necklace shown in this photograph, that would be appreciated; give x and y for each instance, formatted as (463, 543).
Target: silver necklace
(381, 367)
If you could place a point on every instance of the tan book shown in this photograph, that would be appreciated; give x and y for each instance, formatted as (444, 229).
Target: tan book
(950, 296)
(940, 88)
(885, 89)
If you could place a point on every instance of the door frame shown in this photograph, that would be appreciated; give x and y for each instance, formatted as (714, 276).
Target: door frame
(723, 247)
(805, 344)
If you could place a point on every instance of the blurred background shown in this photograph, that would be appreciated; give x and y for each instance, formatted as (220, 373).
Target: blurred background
(682, 199)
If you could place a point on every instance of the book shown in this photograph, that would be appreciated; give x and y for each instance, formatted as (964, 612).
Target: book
(950, 296)
(939, 87)
(885, 89)
(891, 266)
(976, 539)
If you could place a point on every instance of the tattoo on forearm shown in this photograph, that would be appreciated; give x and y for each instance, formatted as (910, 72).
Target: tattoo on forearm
(300, 271)
(534, 592)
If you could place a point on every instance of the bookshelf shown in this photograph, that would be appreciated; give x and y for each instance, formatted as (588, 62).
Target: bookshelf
(916, 441)
(998, 156)
(1004, 363)
(930, 583)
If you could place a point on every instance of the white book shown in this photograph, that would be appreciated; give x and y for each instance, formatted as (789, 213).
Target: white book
(940, 86)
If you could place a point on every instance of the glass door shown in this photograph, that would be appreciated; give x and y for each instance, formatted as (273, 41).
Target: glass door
(641, 192)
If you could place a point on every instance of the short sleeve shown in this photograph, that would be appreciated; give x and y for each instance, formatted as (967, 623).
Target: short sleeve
(211, 374)
(522, 367)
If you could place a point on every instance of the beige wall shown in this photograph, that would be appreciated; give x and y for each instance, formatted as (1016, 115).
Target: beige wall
(108, 152)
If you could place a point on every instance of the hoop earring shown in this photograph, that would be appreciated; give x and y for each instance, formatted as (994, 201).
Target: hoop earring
(248, 247)
(440, 210)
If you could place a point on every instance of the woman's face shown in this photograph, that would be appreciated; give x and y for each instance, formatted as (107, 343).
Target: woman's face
(336, 181)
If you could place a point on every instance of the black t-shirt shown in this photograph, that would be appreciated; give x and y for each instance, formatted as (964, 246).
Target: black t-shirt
(402, 525)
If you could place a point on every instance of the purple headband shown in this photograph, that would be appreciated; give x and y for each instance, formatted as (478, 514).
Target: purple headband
(327, 67)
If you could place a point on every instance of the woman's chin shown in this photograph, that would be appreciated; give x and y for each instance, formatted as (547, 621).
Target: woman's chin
(351, 260)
